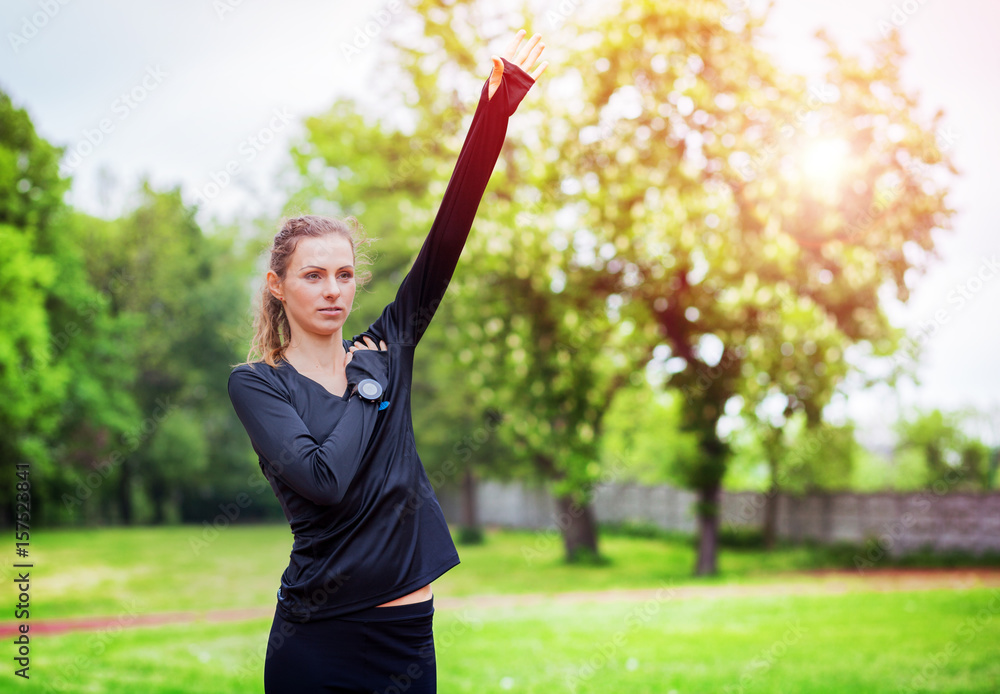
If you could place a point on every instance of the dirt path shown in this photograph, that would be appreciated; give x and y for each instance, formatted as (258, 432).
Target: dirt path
(806, 583)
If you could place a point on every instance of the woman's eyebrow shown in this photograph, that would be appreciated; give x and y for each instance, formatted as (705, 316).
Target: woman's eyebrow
(323, 268)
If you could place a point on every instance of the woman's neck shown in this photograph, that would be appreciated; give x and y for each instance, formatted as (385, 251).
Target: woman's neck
(317, 353)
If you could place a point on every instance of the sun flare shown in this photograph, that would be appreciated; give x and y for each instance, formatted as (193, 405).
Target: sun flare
(824, 162)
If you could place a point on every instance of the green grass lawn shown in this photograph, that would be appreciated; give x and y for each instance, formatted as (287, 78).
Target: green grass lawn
(928, 641)
(852, 642)
(83, 572)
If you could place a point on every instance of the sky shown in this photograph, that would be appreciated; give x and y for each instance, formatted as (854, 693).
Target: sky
(208, 95)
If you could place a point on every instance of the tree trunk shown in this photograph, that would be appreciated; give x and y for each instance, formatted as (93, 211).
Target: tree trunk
(469, 516)
(125, 493)
(158, 496)
(579, 529)
(708, 530)
(771, 506)
(774, 451)
(469, 531)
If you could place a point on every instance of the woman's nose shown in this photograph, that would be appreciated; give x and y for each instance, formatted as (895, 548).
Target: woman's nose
(332, 288)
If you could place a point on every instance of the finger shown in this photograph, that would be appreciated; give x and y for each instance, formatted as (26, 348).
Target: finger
(348, 357)
(541, 68)
(383, 345)
(497, 72)
(495, 77)
(369, 342)
(533, 57)
(525, 49)
(514, 43)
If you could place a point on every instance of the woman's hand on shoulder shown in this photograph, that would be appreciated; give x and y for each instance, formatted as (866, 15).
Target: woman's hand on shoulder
(523, 56)
(357, 345)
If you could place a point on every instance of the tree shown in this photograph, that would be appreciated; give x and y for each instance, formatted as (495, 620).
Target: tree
(95, 343)
(537, 334)
(934, 446)
(642, 431)
(733, 193)
(802, 458)
(37, 272)
(680, 191)
(158, 341)
(553, 406)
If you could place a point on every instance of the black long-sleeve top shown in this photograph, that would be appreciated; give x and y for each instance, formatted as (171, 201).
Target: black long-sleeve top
(367, 526)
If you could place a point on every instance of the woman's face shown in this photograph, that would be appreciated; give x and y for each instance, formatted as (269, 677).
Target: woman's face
(320, 277)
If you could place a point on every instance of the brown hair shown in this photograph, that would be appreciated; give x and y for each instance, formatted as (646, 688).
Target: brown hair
(271, 330)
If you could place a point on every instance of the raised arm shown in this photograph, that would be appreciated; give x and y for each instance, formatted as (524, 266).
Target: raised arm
(420, 292)
(320, 471)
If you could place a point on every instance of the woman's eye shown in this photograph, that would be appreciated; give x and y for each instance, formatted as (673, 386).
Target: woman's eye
(312, 274)
(346, 275)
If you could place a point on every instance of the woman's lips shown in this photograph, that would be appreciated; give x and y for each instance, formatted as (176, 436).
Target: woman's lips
(331, 311)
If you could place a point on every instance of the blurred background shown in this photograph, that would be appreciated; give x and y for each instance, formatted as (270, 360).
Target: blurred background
(727, 317)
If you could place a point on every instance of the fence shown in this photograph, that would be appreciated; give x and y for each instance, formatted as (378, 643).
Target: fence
(898, 522)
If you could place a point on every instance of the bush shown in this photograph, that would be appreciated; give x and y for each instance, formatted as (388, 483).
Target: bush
(471, 535)
(644, 530)
(741, 538)
(584, 557)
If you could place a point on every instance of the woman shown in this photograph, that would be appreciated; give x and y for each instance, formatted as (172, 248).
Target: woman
(329, 419)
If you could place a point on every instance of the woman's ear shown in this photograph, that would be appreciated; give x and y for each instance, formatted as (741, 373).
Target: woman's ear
(274, 285)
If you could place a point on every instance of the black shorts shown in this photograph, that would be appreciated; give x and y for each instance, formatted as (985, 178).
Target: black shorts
(381, 650)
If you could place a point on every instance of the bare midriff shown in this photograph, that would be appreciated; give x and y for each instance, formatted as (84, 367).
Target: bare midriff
(419, 595)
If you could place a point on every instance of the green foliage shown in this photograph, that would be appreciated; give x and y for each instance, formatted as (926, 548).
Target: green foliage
(471, 535)
(660, 192)
(115, 336)
(935, 448)
(642, 431)
(39, 276)
(741, 538)
(686, 155)
(584, 556)
(795, 457)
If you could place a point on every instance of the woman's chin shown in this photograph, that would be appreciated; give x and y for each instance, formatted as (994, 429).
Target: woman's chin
(325, 327)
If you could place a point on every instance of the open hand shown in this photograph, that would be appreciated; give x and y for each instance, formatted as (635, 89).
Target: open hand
(523, 58)
(369, 344)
